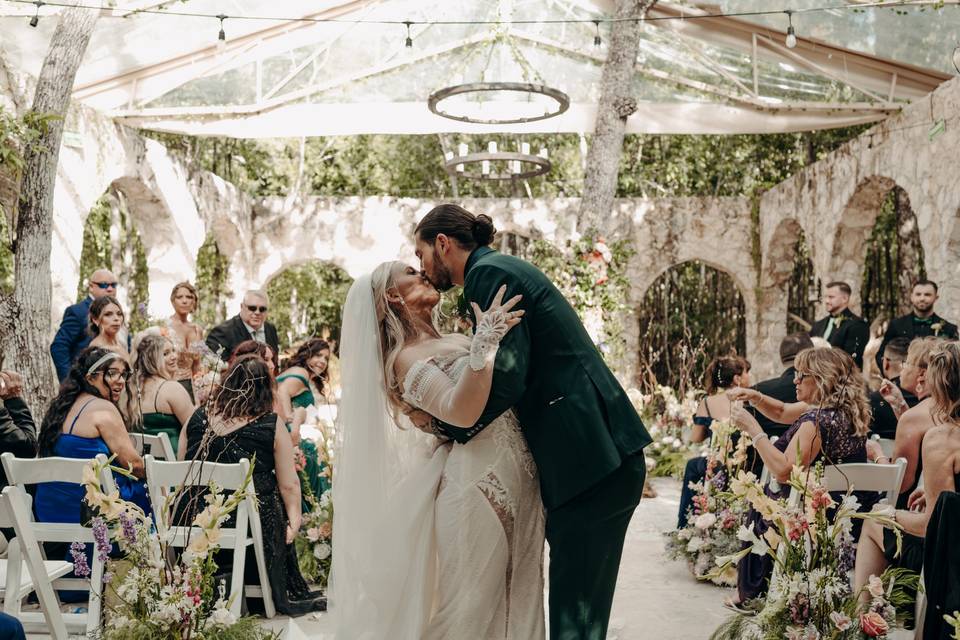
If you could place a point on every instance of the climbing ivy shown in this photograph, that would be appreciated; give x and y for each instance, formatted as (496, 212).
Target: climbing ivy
(213, 269)
(6, 255)
(307, 300)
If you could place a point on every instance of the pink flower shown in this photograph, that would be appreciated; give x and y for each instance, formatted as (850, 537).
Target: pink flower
(325, 530)
(873, 624)
(797, 525)
(840, 620)
(821, 499)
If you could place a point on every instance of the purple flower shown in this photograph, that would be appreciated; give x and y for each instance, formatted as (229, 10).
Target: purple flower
(799, 609)
(719, 480)
(127, 529)
(142, 309)
(102, 539)
(847, 556)
(78, 552)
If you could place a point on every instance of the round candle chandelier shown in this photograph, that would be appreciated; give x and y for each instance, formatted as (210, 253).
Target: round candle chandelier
(497, 164)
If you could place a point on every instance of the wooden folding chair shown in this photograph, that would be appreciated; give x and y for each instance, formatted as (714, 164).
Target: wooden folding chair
(22, 472)
(158, 446)
(164, 478)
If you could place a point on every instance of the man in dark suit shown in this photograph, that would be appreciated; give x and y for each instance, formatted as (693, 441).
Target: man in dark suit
(72, 336)
(250, 324)
(18, 433)
(581, 428)
(922, 321)
(884, 422)
(782, 387)
(841, 327)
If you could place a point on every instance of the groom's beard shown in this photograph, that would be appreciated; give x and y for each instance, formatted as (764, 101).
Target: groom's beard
(441, 278)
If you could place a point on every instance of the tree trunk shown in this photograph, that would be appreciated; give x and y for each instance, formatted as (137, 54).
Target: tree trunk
(616, 104)
(25, 316)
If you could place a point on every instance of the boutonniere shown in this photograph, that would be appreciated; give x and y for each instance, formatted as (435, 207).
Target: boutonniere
(838, 321)
(936, 327)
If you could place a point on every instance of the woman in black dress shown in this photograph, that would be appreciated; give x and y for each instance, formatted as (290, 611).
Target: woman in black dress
(241, 424)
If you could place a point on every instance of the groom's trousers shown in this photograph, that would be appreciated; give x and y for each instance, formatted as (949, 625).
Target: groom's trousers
(586, 542)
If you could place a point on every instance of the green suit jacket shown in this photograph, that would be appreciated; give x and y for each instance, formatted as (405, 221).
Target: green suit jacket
(577, 420)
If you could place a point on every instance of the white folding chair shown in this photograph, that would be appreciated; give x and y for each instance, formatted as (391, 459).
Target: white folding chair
(164, 478)
(24, 549)
(765, 473)
(22, 472)
(158, 446)
(867, 476)
(886, 445)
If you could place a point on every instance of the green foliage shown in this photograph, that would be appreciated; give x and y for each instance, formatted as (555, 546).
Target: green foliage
(213, 269)
(6, 255)
(307, 300)
(20, 135)
(97, 251)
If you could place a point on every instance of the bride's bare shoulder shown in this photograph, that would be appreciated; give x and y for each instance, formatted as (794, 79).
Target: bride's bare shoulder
(411, 354)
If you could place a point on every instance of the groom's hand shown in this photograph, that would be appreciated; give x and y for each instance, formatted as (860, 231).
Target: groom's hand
(421, 420)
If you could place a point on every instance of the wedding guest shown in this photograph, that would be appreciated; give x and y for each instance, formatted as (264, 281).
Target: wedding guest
(782, 387)
(242, 424)
(922, 320)
(157, 404)
(18, 433)
(187, 336)
(871, 373)
(72, 336)
(884, 423)
(265, 352)
(308, 364)
(722, 374)
(106, 323)
(250, 324)
(11, 628)
(841, 327)
(941, 468)
(829, 421)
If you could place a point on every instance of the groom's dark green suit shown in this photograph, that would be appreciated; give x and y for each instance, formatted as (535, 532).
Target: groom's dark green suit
(582, 430)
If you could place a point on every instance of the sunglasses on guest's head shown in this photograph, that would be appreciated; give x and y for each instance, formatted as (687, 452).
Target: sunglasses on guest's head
(106, 285)
(252, 308)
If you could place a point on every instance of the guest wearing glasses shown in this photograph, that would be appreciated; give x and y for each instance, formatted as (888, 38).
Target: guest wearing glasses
(73, 337)
(250, 324)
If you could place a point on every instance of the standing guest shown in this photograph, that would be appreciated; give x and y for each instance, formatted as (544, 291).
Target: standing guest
(829, 421)
(156, 403)
(250, 324)
(187, 336)
(841, 327)
(871, 373)
(308, 364)
(922, 321)
(72, 336)
(884, 423)
(18, 434)
(106, 323)
(721, 374)
(242, 424)
(782, 388)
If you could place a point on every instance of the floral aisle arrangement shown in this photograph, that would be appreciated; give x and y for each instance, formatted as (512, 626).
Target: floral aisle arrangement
(811, 543)
(717, 513)
(158, 595)
(666, 417)
(314, 542)
(955, 621)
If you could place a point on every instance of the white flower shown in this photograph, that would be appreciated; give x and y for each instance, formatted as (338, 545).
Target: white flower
(667, 440)
(840, 620)
(677, 443)
(705, 521)
(657, 446)
(322, 551)
(760, 546)
(313, 534)
(694, 545)
(221, 616)
(875, 587)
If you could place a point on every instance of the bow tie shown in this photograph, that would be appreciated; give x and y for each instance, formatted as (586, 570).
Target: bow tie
(917, 320)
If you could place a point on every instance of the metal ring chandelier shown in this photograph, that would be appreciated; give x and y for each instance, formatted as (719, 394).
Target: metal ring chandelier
(456, 165)
(562, 100)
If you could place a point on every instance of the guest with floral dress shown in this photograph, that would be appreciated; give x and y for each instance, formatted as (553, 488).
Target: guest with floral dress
(829, 423)
(187, 336)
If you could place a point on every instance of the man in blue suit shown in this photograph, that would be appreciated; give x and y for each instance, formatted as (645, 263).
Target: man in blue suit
(72, 336)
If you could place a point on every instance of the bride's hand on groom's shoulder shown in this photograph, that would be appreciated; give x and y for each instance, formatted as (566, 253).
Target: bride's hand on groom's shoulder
(498, 306)
(421, 420)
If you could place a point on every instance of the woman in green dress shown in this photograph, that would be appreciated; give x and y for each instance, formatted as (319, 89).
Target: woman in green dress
(294, 393)
(157, 403)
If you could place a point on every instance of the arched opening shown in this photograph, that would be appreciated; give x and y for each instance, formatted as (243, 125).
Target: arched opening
(803, 289)
(213, 269)
(691, 313)
(307, 300)
(111, 241)
(894, 259)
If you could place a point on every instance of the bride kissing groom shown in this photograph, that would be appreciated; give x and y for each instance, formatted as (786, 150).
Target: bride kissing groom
(525, 434)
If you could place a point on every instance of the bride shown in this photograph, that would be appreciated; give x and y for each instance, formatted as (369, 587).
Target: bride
(431, 539)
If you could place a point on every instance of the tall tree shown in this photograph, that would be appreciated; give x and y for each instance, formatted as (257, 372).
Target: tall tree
(617, 103)
(25, 315)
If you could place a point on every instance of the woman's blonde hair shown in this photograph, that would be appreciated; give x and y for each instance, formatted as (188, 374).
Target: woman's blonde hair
(147, 363)
(838, 384)
(189, 287)
(396, 325)
(920, 350)
(943, 376)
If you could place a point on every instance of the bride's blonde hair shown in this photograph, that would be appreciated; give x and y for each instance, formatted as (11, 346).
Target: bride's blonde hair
(396, 324)
(838, 384)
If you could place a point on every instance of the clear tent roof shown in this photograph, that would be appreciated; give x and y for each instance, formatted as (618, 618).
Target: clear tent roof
(694, 74)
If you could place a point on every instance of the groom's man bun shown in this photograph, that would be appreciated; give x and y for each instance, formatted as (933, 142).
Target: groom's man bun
(454, 221)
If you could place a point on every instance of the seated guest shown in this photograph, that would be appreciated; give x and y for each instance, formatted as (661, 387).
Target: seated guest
(308, 364)
(872, 353)
(18, 434)
(267, 353)
(106, 324)
(829, 421)
(782, 387)
(884, 423)
(922, 320)
(941, 466)
(72, 336)
(187, 335)
(250, 324)
(242, 424)
(721, 374)
(157, 403)
(841, 327)
(11, 628)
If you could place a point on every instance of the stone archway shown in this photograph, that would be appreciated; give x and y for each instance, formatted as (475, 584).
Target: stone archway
(306, 299)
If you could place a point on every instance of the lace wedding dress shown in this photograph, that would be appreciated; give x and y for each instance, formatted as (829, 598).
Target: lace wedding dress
(488, 518)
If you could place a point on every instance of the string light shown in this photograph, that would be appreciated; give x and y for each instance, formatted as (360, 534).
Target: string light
(791, 34)
(35, 20)
(596, 39)
(409, 43)
(222, 36)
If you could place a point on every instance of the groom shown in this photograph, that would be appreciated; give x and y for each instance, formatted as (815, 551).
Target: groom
(582, 430)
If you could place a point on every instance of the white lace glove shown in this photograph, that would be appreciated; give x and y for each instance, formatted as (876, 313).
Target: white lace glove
(491, 328)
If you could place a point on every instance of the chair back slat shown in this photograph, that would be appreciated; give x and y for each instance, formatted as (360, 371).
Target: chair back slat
(158, 446)
(195, 473)
(23, 472)
(867, 476)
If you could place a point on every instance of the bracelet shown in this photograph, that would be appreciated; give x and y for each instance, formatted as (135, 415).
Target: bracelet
(758, 437)
(877, 460)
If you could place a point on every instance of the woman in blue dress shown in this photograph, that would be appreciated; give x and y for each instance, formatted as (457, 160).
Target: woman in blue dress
(722, 374)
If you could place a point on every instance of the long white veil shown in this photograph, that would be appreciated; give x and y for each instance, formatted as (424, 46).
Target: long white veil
(384, 488)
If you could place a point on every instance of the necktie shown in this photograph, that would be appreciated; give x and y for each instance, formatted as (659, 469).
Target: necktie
(258, 335)
(829, 330)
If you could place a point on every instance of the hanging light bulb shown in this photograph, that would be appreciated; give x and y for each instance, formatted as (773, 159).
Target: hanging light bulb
(35, 20)
(791, 41)
(596, 38)
(409, 42)
(222, 36)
